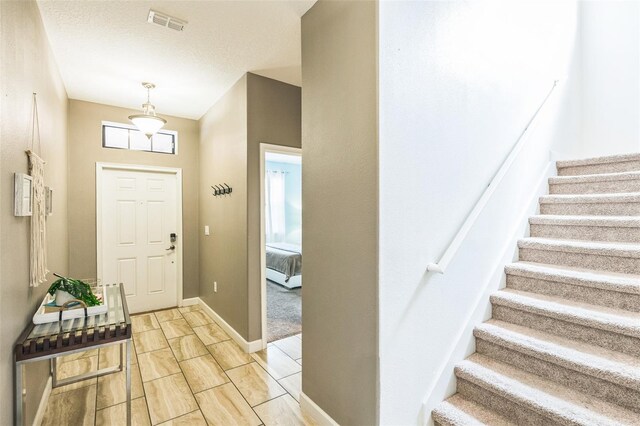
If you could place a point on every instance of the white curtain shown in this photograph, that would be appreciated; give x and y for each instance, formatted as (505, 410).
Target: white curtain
(275, 206)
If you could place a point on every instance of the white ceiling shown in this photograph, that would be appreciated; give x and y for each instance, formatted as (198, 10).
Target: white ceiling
(105, 49)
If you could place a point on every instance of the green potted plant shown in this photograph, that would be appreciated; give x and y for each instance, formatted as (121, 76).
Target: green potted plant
(65, 289)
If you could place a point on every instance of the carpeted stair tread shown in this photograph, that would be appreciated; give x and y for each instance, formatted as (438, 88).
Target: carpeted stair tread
(583, 247)
(598, 160)
(598, 177)
(601, 221)
(556, 402)
(563, 346)
(624, 197)
(460, 411)
(599, 317)
(591, 360)
(613, 281)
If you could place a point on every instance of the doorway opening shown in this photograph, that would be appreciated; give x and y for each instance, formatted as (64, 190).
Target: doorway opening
(281, 242)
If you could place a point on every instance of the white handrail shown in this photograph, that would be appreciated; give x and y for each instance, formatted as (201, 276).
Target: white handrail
(441, 266)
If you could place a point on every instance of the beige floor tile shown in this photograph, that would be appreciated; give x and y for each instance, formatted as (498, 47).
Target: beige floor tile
(255, 384)
(194, 418)
(197, 318)
(144, 322)
(282, 411)
(76, 407)
(211, 333)
(186, 347)
(74, 368)
(225, 406)
(292, 346)
(168, 398)
(229, 354)
(110, 356)
(154, 365)
(176, 328)
(293, 385)
(112, 389)
(151, 340)
(189, 308)
(77, 366)
(276, 362)
(85, 354)
(117, 414)
(203, 373)
(168, 315)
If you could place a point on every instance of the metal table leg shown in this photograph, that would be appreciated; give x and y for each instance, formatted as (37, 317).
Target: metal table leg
(19, 394)
(128, 382)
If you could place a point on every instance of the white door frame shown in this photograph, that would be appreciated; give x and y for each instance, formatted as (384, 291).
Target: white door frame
(100, 169)
(264, 148)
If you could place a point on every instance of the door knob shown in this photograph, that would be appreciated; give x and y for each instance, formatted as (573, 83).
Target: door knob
(171, 248)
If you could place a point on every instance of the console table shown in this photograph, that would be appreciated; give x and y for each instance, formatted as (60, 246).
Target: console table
(52, 340)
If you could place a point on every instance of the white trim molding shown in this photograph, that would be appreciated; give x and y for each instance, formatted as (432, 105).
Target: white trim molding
(44, 400)
(248, 347)
(100, 168)
(190, 302)
(312, 410)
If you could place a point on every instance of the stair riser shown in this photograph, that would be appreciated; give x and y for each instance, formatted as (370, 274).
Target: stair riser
(594, 169)
(604, 338)
(583, 382)
(591, 209)
(592, 295)
(607, 187)
(516, 412)
(587, 233)
(625, 265)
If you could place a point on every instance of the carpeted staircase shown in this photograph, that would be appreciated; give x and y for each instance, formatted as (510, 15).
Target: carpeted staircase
(563, 346)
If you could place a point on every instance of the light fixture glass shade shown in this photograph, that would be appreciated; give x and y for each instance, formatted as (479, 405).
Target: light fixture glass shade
(148, 124)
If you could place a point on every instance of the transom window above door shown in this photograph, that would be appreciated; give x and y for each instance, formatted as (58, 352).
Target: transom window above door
(125, 136)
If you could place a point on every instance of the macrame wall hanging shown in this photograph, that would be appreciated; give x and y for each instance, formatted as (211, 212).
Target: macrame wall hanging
(38, 252)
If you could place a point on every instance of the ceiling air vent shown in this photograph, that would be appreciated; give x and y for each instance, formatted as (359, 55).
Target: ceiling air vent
(166, 21)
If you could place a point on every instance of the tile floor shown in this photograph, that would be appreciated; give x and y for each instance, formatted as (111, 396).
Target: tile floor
(185, 370)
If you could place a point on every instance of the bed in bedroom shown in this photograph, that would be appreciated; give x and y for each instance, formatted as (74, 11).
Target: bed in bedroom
(284, 264)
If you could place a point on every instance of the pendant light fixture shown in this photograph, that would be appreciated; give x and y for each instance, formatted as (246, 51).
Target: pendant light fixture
(148, 122)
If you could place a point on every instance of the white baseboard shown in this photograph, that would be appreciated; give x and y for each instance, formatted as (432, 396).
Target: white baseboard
(312, 410)
(42, 407)
(191, 301)
(248, 347)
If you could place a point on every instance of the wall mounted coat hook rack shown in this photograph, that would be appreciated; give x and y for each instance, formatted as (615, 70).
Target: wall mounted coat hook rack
(219, 190)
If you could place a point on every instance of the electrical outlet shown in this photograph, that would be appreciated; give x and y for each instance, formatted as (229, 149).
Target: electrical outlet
(215, 286)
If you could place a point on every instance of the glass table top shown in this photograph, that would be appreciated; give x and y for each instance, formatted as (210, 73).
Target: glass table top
(115, 315)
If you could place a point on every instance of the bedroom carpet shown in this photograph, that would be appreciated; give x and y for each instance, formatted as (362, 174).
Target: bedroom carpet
(284, 311)
(563, 344)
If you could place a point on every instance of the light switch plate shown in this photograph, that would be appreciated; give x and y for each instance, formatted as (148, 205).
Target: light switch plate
(206, 230)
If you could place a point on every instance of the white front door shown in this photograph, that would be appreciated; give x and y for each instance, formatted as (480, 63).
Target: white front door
(139, 212)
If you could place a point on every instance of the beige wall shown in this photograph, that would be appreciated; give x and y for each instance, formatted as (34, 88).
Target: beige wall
(254, 110)
(340, 209)
(274, 117)
(85, 149)
(27, 66)
(223, 254)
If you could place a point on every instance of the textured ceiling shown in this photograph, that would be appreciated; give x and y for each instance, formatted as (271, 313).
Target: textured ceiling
(105, 49)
